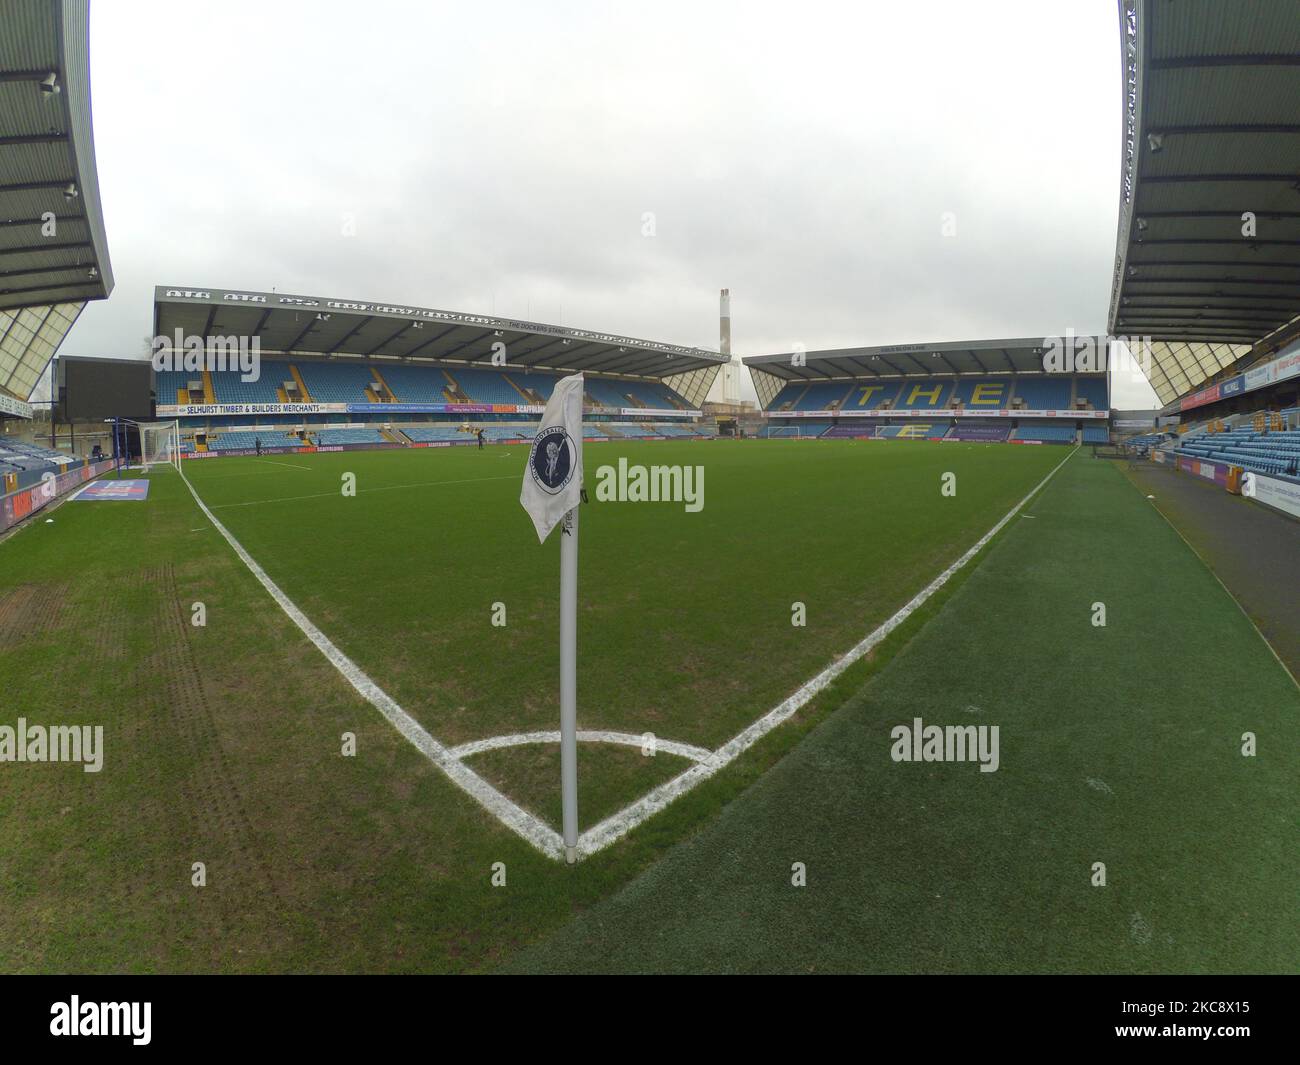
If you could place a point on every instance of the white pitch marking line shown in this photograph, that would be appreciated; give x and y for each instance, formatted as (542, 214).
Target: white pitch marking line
(624, 739)
(382, 488)
(618, 825)
(541, 836)
(613, 828)
(291, 465)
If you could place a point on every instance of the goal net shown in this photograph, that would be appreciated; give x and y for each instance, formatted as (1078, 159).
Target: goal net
(160, 444)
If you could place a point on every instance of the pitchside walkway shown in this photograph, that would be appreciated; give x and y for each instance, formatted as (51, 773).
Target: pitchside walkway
(1255, 551)
(1118, 744)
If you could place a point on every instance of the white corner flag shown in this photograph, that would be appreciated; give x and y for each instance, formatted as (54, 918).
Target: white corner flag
(551, 494)
(553, 479)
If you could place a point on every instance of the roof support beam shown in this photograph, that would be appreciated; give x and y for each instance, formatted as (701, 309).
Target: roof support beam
(39, 186)
(1191, 179)
(311, 321)
(1250, 242)
(51, 289)
(361, 324)
(32, 138)
(1227, 127)
(8, 223)
(36, 249)
(1218, 214)
(462, 347)
(386, 341)
(432, 340)
(31, 270)
(1192, 62)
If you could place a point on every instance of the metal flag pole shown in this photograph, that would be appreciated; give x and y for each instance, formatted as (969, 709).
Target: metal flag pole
(569, 681)
(552, 494)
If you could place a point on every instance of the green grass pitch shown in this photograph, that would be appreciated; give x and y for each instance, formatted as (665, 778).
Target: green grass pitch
(223, 742)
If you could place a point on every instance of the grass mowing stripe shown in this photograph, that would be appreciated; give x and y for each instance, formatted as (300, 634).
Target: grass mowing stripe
(1112, 751)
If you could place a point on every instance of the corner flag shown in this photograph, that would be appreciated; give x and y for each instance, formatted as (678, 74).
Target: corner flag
(553, 479)
(551, 493)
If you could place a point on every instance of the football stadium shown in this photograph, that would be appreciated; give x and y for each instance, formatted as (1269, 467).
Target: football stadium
(272, 585)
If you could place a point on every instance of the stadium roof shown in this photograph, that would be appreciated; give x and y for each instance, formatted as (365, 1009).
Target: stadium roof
(315, 326)
(921, 360)
(1210, 132)
(907, 360)
(53, 252)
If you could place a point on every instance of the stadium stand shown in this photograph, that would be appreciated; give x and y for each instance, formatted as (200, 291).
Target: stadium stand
(435, 433)
(17, 455)
(992, 393)
(813, 397)
(415, 384)
(1048, 434)
(329, 437)
(329, 382)
(987, 433)
(496, 434)
(172, 386)
(910, 431)
(1092, 389)
(246, 440)
(228, 388)
(1272, 452)
(872, 396)
(929, 394)
(801, 431)
(1096, 434)
(1044, 393)
(354, 382)
(482, 386)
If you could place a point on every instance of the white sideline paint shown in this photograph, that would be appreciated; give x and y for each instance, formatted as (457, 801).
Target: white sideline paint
(382, 488)
(624, 739)
(291, 465)
(541, 836)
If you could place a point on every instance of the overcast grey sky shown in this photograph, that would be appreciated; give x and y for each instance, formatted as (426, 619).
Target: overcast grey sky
(503, 157)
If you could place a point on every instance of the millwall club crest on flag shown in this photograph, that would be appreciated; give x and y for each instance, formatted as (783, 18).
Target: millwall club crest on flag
(553, 479)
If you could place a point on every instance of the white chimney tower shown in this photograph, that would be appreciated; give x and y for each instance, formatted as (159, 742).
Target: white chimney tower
(731, 371)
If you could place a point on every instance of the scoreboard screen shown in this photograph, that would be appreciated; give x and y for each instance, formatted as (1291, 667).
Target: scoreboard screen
(90, 390)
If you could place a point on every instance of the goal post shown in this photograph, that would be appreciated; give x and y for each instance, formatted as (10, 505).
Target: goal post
(160, 444)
